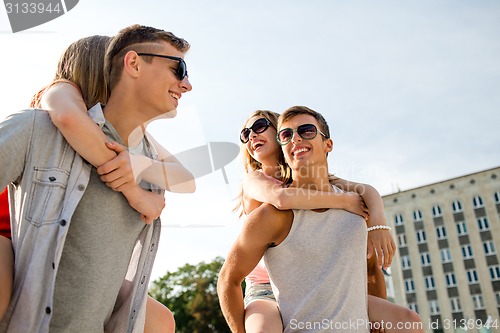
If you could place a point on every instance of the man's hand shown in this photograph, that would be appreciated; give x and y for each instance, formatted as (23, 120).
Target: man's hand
(376, 327)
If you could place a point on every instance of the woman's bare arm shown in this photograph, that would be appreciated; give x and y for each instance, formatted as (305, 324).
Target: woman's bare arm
(68, 112)
(380, 242)
(370, 196)
(175, 176)
(259, 187)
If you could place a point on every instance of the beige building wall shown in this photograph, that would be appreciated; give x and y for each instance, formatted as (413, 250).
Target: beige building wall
(457, 282)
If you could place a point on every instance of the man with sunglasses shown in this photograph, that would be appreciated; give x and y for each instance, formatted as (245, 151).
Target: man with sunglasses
(83, 255)
(316, 259)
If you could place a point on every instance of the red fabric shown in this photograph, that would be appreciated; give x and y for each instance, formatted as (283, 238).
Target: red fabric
(4, 214)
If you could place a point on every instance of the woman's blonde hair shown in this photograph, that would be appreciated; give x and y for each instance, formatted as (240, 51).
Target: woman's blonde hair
(251, 164)
(82, 65)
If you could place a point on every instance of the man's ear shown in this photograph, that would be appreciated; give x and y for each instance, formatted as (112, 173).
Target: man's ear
(131, 63)
(328, 145)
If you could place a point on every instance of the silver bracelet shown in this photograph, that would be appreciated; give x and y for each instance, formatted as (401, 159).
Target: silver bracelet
(377, 227)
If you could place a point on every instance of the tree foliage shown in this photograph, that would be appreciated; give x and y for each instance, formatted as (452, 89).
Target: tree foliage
(191, 294)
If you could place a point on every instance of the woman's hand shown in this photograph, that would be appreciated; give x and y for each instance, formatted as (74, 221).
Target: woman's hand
(354, 203)
(118, 173)
(381, 244)
(149, 204)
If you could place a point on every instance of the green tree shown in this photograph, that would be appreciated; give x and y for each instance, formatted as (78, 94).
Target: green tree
(191, 294)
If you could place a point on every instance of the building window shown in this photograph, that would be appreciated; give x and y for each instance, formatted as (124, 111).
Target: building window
(489, 248)
(398, 219)
(405, 262)
(456, 206)
(434, 307)
(414, 307)
(441, 232)
(426, 259)
(467, 252)
(417, 215)
(445, 255)
(409, 285)
(455, 304)
(461, 228)
(477, 201)
(497, 197)
(494, 273)
(497, 295)
(472, 276)
(482, 224)
(401, 240)
(421, 237)
(478, 302)
(429, 283)
(451, 281)
(436, 211)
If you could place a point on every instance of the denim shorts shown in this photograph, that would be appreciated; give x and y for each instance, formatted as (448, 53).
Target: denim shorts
(257, 291)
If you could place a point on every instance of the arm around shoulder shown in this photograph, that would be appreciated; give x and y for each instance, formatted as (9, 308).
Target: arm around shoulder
(263, 189)
(168, 173)
(64, 103)
(68, 112)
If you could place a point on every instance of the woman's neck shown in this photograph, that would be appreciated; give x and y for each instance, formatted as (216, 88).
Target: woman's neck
(272, 170)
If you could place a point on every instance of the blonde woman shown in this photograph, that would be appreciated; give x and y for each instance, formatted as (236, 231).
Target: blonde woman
(265, 173)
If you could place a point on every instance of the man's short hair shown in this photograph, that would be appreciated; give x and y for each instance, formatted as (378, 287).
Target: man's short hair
(138, 38)
(298, 110)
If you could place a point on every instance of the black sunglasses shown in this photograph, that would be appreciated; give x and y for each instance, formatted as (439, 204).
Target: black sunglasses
(259, 126)
(306, 131)
(181, 71)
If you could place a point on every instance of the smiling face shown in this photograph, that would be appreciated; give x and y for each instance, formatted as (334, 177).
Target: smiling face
(160, 88)
(299, 152)
(262, 146)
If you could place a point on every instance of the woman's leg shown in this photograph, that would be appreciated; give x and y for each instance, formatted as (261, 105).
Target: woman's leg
(6, 273)
(393, 318)
(159, 319)
(262, 316)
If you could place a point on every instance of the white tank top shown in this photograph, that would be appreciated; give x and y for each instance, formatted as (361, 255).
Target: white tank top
(318, 273)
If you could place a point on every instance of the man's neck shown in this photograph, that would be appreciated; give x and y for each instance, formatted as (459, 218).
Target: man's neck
(123, 114)
(313, 177)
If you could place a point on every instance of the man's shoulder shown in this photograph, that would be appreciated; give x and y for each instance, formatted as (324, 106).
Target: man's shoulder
(26, 113)
(31, 113)
(268, 210)
(27, 118)
(272, 218)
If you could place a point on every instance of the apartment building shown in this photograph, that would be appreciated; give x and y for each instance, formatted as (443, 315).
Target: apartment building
(448, 237)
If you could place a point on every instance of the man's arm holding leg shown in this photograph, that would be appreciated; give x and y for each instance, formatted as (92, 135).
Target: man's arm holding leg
(376, 280)
(264, 227)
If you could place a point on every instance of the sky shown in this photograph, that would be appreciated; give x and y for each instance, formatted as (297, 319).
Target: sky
(411, 90)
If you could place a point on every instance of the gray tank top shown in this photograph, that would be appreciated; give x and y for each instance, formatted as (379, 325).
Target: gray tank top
(318, 273)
